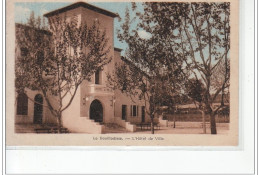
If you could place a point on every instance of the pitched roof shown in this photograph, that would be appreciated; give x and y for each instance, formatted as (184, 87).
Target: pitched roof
(81, 4)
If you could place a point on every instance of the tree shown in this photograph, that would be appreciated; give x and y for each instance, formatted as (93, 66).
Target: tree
(188, 40)
(31, 20)
(36, 22)
(205, 32)
(146, 60)
(194, 89)
(169, 95)
(56, 62)
(132, 81)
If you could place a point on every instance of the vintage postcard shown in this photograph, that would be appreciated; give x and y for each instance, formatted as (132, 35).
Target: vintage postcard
(114, 73)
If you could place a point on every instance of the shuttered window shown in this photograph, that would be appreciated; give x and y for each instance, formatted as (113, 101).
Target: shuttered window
(134, 110)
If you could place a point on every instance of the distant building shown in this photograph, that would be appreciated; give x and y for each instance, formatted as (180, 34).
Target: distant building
(94, 104)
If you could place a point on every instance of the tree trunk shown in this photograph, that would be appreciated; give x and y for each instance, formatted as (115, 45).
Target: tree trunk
(174, 119)
(152, 125)
(203, 121)
(213, 123)
(59, 124)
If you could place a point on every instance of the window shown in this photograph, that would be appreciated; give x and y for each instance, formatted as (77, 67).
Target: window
(134, 110)
(22, 104)
(124, 86)
(97, 77)
(123, 112)
(40, 57)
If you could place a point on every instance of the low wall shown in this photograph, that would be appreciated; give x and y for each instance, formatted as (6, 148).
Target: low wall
(195, 124)
(195, 118)
(83, 125)
(125, 124)
(162, 122)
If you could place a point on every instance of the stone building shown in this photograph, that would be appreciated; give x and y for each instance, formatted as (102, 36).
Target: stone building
(94, 105)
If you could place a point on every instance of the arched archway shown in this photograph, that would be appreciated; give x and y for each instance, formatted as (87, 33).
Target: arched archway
(38, 109)
(96, 111)
(22, 104)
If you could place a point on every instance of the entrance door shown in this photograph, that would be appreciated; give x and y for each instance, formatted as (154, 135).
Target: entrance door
(96, 111)
(143, 114)
(123, 112)
(38, 102)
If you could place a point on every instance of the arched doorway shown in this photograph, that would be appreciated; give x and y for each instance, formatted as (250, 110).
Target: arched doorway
(22, 104)
(96, 111)
(38, 108)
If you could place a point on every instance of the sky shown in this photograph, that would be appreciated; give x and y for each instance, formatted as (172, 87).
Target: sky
(23, 10)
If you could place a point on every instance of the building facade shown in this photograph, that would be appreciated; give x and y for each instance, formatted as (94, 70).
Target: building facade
(95, 104)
